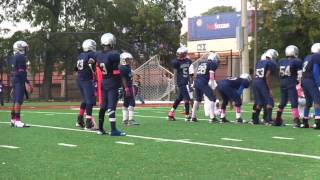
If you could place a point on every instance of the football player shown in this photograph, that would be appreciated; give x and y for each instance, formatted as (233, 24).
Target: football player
(85, 80)
(128, 89)
(262, 87)
(204, 84)
(109, 60)
(288, 70)
(181, 79)
(311, 85)
(19, 82)
(231, 89)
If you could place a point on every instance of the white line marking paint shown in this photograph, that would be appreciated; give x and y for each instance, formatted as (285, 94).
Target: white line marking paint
(197, 143)
(9, 147)
(49, 114)
(185, 139)
(67, 145)
(229, 139)
(125, 143)
(283, 138)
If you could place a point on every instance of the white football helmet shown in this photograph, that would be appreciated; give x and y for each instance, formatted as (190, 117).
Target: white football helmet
(182, 52)
(214, 57)
(315, 48)
(108, 39)
(272, 54)
(20, 47)
(125, 57)
(263, 56)
(292, 51)
(89, 45)
(246, 76)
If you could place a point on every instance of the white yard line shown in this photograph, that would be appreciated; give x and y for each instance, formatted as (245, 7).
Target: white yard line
(230, 139)
(282, 138)
(67, 145)
(8, 147)
(196, 143)
(125, 143)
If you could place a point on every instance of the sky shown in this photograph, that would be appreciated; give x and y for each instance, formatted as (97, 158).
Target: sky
(193, 8)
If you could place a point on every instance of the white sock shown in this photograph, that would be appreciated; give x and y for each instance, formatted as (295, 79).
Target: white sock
(131, 112)
(212, 109)
(125, 113)
(206, 106)
(195, 109)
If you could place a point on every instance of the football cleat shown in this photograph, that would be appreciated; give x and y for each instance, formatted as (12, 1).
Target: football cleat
(171, 116)
(19, 124)
(80, 122)
(305, 123)
(317, 124)
(239, 120)
(117, 133)
(90, 125)
(194, 120)
(101, 132)
(224, 120)
(125, 122)
(297, 123)
(213, 120)
(277, 122)
(187, 118)
(133, 122)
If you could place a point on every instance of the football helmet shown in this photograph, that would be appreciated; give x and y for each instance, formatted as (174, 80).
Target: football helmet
(214, 57)
(125, 57)
(20, 47)
(315, 48)
(263, 56)
(89, 45)
(108, 39)
(246, 76)
(292, 51)
(272, 54)
(182, 52)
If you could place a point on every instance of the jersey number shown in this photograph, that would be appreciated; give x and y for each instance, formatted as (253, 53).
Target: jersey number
(103, 68)
(285, 71)
(260, 73)
(202, 69)
(305, 64)
(80, 64)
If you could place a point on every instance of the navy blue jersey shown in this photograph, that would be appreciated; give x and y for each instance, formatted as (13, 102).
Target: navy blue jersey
(307, 67)
(235, 82)
(84, 70)
(203, 71)
(262, 67)
(19, 62)
(126, 73)
(288, 71)
(109, 64)
(182, 67)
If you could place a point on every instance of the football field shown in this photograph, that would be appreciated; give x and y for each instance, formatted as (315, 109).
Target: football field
(53, 148)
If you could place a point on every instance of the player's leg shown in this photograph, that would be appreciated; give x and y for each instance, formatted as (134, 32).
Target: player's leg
(132, 104)
(103, 109)
(125, 111)
(283, 102)
(80, 121)
(234, 96)
(307, 91)
(198, 97)
(175, 106)
(209, 93)
(225, 100)
(186, 99)
(113, 94)
(19, 89)
(258, 102)
(206, 105)
(90, 101)
(316, 100)
(293, 97)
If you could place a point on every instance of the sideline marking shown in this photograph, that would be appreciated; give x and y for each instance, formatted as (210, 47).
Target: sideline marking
(9, 147)
(125, 143)
(282, 138)
(229, 139)
(67, 145)
(195, 143)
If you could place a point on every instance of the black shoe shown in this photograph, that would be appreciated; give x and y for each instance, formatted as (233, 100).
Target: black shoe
(101, 132)
(297, 123)
(194, 120)
(317, 124)
(213, 120)
(125, 122)
(305, 123)
(277, 122)
(89, 124)
(133, 122)
(80, 121)
(224, 120)
(239, 120)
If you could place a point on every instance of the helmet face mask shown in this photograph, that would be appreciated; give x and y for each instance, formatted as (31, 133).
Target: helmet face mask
(89, 45)
(182, 53)
(20, 47)
(246, 76)
(271, 54)
(292, 51)
(126, 58)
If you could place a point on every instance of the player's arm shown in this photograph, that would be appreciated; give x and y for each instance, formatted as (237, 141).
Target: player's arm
(269, 81)
(125, 83)
(315, 72)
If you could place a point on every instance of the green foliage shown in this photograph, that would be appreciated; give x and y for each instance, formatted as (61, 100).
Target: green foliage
(218, 9)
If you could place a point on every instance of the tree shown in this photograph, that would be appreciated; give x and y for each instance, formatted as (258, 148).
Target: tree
(218, 9)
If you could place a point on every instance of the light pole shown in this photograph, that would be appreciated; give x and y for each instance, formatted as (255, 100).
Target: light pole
(245, 51)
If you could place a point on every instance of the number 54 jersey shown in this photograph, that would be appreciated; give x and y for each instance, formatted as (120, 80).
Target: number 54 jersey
(288, 72)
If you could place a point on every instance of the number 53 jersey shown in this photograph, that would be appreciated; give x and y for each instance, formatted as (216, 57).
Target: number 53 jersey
(182, 67)
(262, 67)
(288, 72)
